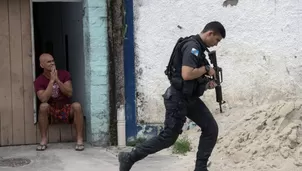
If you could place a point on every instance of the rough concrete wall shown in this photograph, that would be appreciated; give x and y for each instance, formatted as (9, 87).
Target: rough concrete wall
(96, 69)
(261, 56)
(116, 57)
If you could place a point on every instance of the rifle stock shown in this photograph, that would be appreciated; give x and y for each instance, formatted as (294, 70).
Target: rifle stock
(218, 78)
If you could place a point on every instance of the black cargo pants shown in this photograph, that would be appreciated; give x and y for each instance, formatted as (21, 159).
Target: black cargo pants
(177, 109)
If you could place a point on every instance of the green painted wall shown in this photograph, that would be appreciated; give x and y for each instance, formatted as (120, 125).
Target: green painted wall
(96, 71)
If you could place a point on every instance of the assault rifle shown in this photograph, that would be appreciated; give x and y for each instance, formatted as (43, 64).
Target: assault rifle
(218, 78)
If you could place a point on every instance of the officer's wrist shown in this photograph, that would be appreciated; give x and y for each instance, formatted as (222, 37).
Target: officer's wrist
(207, 68)
(202, 70)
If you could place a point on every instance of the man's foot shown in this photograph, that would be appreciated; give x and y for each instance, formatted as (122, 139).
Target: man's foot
(209, 163)
(41, 147)
(79, 147)
(43, 144)
(125, 161)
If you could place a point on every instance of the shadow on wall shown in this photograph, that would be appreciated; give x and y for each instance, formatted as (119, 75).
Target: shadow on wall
(230, 2)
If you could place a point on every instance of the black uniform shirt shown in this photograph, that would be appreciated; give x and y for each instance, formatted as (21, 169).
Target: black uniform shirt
(193, 53)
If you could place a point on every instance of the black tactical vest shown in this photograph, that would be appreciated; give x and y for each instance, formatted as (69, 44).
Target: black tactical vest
(189, 88)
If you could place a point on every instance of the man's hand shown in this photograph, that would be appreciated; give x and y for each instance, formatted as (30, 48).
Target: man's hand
(211, 72)
(65, 87)
(54, 74)
(211, 84)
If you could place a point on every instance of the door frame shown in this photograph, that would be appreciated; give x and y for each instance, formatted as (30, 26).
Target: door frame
(56, 0)
(33, 54)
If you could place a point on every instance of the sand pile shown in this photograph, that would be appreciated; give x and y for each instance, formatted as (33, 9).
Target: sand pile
(266, 138)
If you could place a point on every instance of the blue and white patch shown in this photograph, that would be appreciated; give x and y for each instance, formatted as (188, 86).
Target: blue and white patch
(194, 51)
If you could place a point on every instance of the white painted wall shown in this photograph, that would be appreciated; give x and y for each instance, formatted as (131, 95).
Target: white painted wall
(261, 56)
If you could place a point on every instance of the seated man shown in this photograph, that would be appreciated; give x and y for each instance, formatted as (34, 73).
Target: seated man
(54, 90)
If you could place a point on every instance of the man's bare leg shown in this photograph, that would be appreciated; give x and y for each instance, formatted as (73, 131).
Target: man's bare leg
(43, 124)
(77, 114)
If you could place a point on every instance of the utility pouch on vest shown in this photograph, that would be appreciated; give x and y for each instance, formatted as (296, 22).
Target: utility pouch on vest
(201, 81)
(201, 87)
(188, 87)
(177, 82)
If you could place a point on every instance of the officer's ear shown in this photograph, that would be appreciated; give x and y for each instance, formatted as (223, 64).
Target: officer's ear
(211, 33)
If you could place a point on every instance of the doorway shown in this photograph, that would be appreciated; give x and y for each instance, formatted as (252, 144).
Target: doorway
(58, 30)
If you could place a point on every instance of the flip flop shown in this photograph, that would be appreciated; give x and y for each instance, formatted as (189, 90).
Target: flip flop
(79, 147)
(41, 147)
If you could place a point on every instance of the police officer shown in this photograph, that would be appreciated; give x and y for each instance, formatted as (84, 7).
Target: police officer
(187, 71)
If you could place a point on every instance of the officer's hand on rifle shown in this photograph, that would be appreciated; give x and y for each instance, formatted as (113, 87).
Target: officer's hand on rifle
(211, 84)
(211, 71)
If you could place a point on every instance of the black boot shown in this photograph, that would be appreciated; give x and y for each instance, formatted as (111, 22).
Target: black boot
(125, 161)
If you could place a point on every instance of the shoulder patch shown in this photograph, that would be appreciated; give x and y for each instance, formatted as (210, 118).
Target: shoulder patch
(194, 51)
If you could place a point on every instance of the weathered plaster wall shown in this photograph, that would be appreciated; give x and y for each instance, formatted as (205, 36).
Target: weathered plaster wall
(261, 55)
(96, 71)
